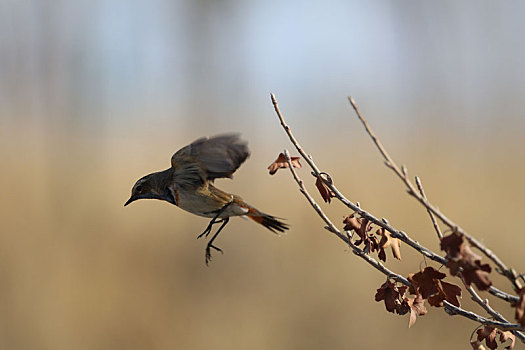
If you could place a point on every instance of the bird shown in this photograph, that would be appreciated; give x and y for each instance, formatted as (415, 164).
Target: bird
(189, 184)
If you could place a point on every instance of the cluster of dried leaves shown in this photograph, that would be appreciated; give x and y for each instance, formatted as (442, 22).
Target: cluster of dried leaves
(489, 334)
(372, 242)
(425, 285)
(462, 260)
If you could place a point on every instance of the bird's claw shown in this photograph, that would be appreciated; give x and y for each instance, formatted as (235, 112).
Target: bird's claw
(208, 252)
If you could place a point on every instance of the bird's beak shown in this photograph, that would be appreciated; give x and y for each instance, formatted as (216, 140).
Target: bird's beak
(168, 197)
(131, 199)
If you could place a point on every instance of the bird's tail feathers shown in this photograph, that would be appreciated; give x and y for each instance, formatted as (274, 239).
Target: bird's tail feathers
(268, 221)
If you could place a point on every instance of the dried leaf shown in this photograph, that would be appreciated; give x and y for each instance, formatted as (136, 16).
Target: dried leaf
(436, 300)
(360, 226)
(417, 308)
(488, 334)
(463, 260)
(371, 244)
(520, 308)
(477, 274)
(452, 292)
(324, 190)
(281, 162)
(452, 244)
(504, 336)
(387, 241)
(388, 293)
(352, 223)
(476, 345)
(392, 295)
(382, 255)
(403, 307)
(426, 282)
(449, 292)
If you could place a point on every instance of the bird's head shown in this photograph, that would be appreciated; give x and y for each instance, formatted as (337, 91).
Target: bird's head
(152, 186)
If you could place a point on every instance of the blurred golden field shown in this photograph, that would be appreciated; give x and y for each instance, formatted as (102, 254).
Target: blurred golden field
(85, 111)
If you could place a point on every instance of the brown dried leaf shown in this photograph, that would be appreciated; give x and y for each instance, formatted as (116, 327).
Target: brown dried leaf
(387, 241)
(488, 334)
(392, 295)
(382, 255)
(351, 223)
(462, 259)
(417, 308)
(476, 345)
(452, 292)
(426, 282)
(281, 162)
(388, 293)
(477, 274)
(436, 300)
(520, 308)
(449, 292)
(360, 226)
(403, 307)
(324, 190)
(452, 244)
(504, 336)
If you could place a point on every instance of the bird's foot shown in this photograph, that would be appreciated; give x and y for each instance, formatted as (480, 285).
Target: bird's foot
(208, 252)
(207, 231)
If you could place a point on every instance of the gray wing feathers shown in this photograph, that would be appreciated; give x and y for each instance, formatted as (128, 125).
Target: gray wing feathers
(209, 158)
(221, 155)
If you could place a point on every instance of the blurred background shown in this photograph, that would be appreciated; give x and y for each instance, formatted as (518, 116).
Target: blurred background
(96, 94)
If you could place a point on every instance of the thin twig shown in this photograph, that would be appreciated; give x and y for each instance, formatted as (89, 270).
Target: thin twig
(503, 295)
(332, 228)
(485, 305)
(432, 217)
(504, 270)
(454, 310)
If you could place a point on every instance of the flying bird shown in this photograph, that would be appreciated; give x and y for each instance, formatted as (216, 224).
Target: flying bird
(188, 184)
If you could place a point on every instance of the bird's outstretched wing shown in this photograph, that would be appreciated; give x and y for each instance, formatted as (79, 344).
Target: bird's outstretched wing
(208, 159)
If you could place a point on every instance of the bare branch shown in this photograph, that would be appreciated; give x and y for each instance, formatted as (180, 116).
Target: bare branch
(503, 269)
(432, 217)
(485, 305)
(504, 296)
(454, 310)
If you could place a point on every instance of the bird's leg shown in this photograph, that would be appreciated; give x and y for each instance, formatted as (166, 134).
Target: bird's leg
(215, 220)
(210, 245)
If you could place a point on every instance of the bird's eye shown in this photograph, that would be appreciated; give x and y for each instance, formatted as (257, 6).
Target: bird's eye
(139, 188)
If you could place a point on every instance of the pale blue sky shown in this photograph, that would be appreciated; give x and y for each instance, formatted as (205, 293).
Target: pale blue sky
(122, 59)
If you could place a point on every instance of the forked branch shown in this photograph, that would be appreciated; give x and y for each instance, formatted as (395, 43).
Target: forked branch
(403, 175)
(499, 322)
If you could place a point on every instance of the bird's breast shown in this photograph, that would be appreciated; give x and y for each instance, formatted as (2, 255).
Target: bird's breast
(206, 203)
